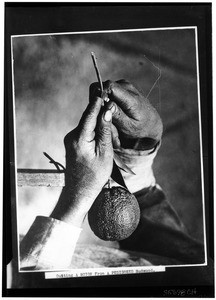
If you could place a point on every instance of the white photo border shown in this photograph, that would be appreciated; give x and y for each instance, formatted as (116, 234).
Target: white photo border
(145, 269)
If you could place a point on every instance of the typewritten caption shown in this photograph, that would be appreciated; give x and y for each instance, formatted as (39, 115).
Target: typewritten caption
(101, 272)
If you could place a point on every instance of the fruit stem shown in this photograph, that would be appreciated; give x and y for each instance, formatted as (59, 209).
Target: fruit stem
(109, 184)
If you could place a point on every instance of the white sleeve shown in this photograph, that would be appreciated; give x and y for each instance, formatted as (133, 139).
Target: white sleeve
(49, 244)
(140, 162)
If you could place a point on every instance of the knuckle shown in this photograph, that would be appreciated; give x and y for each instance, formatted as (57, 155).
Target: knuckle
(104, 131)
(68, 138)
(104, 148)
(123, 81)
(130, 86)
(118, 113)
(94, 90)
(126, 84)
(108, 85)
(109, 146)
(71, 140)
(134, 93)
(134, 107)
(102, 145)
(115, 134)
(134, 129)
(93, 86)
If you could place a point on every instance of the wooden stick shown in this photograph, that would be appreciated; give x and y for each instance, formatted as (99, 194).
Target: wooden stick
(97, 70)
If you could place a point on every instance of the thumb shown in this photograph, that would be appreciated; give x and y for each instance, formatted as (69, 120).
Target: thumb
(120, 119)
(104, 133)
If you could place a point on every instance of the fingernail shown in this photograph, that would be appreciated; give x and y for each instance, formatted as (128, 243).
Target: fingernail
(108, 116)
(106, 99)
(107, 90)
(113, 108)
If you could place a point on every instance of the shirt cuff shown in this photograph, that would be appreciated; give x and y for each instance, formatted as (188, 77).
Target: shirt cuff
(140, 162)
(49, 244)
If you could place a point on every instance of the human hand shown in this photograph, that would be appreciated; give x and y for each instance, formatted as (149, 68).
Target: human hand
(89, 161)
(134, 117)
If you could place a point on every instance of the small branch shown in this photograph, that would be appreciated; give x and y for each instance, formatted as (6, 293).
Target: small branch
(97, 70)
(52, 161)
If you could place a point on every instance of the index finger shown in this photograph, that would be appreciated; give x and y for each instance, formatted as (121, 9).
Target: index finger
(94, 91)
(123, 93)
(88, 120)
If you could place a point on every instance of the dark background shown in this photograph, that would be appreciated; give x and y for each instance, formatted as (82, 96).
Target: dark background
(177, 167)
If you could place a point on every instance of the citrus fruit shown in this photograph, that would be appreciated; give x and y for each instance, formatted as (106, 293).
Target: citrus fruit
(114, 215)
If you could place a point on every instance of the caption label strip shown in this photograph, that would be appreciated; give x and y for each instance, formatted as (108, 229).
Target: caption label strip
(102, 272)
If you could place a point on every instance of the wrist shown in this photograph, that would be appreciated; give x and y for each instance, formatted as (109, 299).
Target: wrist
(73, 206)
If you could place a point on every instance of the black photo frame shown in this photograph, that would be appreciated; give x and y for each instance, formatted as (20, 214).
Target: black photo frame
(37, 18)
